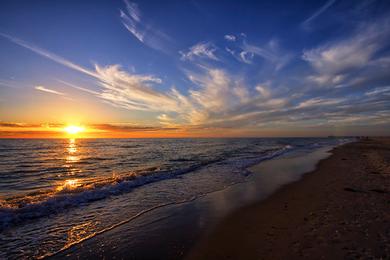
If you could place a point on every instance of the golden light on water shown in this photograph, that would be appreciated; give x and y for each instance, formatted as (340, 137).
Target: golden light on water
(72, 151)
(70, 184)
(72, 159)
(72, 146)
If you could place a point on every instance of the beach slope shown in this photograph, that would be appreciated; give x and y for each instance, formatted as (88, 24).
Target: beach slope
(340, 210)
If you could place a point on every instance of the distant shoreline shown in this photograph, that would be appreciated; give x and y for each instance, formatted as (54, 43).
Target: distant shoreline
(340, 210)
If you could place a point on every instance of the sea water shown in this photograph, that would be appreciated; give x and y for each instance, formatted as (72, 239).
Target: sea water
(55, 193)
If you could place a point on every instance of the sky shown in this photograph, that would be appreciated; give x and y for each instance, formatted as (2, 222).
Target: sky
(195, 68)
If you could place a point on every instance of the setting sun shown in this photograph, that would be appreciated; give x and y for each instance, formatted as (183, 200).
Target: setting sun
(72, 130)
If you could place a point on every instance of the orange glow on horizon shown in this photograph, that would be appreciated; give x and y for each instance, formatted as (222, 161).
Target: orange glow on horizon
(102, 130)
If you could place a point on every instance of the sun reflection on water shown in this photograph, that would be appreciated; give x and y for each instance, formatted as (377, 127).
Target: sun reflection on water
(72, 150)
(69, 185)
(71, 159)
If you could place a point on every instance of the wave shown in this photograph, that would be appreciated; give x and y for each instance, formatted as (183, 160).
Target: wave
(73, 193)
(186, 200)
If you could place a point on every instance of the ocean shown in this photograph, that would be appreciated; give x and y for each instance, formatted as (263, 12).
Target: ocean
(55, 193)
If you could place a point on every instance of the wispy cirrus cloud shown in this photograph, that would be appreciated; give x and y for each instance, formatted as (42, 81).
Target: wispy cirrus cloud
(246, 56)
(200, 50)
(78, 87)
(306, 24)
(133, 91)
(51, 91)
(246, 52)
(147, 34)
(333, 62)
(132, 19)
(316, 102)
(379, 91)
(270, 52)
(48, 55)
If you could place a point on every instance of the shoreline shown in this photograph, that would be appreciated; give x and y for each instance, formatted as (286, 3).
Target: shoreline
(324, 214)
(181, 226)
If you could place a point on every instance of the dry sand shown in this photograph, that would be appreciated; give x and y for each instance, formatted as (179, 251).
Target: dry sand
(339, 211)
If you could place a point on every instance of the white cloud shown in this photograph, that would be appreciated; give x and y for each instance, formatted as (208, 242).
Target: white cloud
(200, 50)
(230, 38)
(271, 52)
(341, 56)
(246, 57)
(78, 87)
(51, 91)
(215, 94)
(131, 26)
(322, 79)
(132, 91)
(266, 54)
(379, 91)
(334, 61)
(319, 102)
(133, 11)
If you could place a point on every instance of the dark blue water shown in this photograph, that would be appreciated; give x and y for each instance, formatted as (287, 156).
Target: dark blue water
(55, 193)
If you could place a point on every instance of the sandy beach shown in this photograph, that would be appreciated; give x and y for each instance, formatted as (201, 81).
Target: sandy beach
(341, 210)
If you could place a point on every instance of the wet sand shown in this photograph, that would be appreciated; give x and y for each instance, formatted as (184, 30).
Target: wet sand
(341, 210)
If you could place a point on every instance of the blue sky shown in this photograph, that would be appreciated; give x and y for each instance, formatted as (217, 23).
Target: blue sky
(316, 68)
